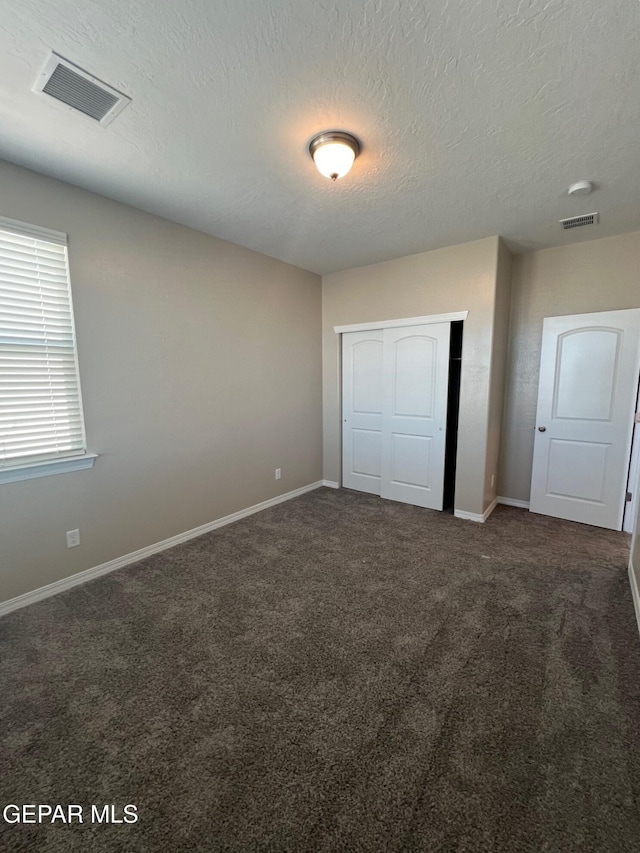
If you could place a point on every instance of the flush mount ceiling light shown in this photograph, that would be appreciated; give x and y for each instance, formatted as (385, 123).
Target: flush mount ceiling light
(333, 152)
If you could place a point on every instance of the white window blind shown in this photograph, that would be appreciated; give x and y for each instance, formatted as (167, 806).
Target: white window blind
(40, 403)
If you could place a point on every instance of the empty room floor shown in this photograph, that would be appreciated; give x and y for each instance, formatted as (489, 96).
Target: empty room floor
(336, 673)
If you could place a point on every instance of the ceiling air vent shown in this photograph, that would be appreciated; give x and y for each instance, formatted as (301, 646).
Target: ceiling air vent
(80, 91)
(579, 221)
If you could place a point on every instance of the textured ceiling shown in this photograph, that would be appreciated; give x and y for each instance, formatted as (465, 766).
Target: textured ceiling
(474, 117)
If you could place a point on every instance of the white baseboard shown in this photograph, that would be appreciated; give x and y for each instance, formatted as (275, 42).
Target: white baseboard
(331, 484)
(142, 553)
(490, 508)
(476, 516)
(635, 593)
(513, 502)
(468, 516)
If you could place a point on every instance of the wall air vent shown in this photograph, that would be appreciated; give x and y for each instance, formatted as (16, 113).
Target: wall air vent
(79, 91)
(579, 221)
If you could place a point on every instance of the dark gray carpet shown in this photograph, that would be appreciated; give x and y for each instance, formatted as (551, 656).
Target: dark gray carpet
(337, 673)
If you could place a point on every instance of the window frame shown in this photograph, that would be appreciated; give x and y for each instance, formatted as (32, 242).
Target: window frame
(44, 465)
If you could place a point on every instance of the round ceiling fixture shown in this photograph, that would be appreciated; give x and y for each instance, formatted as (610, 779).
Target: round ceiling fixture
(580, 188)
(333, 152)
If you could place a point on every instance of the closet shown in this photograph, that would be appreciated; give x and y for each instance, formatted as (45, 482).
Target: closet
(395, 388)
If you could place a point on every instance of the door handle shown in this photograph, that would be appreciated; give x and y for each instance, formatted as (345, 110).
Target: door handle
(542, 429)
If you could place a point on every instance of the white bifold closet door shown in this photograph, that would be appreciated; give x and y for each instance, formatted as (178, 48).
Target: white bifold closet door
(394, 403)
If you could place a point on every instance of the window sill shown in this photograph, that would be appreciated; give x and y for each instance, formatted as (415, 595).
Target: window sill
(46, 469)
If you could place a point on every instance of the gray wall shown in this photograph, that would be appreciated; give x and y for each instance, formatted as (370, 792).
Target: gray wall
(200, 364)
(500, 347)
(600, 275)
(458, 278)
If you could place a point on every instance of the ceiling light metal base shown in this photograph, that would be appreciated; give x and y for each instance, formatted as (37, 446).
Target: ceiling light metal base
(334, 136)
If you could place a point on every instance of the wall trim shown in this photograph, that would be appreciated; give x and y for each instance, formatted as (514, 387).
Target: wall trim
(468, 516)
(476, 516)
(513, 502)
(46, 469)
(407, 321)
(135, 556)
(633, 580)
(490, 508)
(331, 484)
(635, 593)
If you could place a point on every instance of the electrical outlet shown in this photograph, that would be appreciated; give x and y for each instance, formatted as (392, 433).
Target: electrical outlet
(73, 538)
(493, 479)
(278, 473)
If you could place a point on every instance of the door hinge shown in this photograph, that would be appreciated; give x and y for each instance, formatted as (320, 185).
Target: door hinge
(636, 418)
(629, 497)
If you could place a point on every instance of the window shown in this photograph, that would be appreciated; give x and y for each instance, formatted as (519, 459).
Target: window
(41, 421)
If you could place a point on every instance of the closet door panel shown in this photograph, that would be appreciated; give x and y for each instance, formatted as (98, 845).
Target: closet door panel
(415, 388)
(362, 401)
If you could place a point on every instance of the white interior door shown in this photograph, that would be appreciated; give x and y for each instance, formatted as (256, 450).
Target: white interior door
(362, 402)
(415, 379)
(586, 402)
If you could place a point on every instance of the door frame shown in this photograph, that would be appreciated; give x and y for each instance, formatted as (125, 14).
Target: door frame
(633, 480)
(371, 326)
(407, 321)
